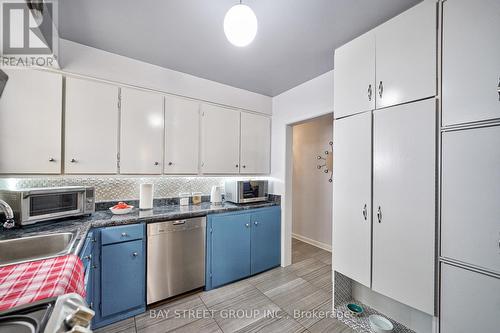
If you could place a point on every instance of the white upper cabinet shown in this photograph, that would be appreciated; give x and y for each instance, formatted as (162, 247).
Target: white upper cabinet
(471, 61)
(255, 144)
(393, 64)
(354, 76)
(91, 127)
(352, 197)
(182, 135)
(30, 123)
(404, 203)
(220, 140)
(406, 56)
(470, 211)
(141, 132)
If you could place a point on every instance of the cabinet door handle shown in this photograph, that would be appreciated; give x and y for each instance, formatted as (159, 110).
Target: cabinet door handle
(237, 165)
(247, 225)
(135, 254)
(498, 89)
(124, 234)
(157, 163)
(170, 163)
(87, 257)
(244, 166)
(51, 159)
(73, 160)
(365, 212)
(369, 92)
(379, 214)
(256, 223)
(380, 89)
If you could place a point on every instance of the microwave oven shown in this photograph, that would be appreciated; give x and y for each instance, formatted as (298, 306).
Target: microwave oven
(42, 204)
(245, 191)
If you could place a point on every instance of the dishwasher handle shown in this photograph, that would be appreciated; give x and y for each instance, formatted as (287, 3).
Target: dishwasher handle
(162, 228)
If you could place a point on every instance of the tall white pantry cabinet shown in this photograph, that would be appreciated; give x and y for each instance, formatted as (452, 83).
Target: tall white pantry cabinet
(413, 169)
(385, 137)
(352, 197)
(470, 172)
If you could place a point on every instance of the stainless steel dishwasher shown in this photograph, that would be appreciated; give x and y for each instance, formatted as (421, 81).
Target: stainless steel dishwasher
(176, 257)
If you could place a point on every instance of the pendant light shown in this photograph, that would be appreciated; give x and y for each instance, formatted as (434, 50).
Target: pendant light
(240, 25)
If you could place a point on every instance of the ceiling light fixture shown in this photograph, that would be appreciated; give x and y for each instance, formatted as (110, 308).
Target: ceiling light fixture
(240, 25)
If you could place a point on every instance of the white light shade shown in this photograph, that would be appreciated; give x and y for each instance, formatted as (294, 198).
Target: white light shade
(240, 25)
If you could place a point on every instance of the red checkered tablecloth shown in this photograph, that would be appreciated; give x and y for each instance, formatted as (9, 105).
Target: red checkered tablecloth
(32, 281)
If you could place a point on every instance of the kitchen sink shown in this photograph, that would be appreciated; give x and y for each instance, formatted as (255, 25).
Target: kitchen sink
(19, 250)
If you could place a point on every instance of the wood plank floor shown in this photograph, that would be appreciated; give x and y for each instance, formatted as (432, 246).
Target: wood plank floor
(296, 298)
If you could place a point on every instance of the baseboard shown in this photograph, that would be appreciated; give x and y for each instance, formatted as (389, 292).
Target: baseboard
(307, 240)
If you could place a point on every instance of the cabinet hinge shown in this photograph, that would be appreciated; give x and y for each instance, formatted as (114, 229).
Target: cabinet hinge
(211, 230)
(118, 161)
(203, 113)
(100, 307)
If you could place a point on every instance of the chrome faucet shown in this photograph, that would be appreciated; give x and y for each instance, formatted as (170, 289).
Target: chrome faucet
(9, 215)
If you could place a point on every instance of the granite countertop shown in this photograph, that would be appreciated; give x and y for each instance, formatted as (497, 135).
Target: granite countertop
(105, 218)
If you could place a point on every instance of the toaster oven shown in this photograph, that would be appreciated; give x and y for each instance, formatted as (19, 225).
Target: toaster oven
(42, 204)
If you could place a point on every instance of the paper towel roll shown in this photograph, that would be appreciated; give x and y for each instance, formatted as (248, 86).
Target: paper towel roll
(146, 196)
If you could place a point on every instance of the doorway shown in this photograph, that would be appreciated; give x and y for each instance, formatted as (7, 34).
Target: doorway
(312, 159)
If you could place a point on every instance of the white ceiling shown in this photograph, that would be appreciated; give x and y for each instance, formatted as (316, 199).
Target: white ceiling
(295, 41)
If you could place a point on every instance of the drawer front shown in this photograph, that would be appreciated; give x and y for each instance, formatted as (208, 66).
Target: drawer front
(122, 233)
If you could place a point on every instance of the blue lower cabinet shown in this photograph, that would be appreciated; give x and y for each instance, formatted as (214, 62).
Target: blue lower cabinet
(241, 244)
(87, 256)
(230, 248)
(122, 283)
(265, 240)
(120, 276)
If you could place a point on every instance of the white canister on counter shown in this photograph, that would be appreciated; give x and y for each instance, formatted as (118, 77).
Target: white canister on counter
(146, 196)
(216, 195)
(184, 199)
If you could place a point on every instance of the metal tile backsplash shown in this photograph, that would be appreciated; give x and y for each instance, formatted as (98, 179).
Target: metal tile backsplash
(121, 188)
